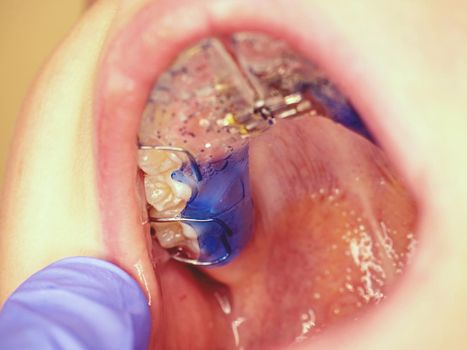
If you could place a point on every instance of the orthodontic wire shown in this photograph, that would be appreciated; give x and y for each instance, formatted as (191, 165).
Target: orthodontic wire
(223, 239)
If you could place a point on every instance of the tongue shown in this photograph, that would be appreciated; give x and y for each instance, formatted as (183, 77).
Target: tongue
(333, 230)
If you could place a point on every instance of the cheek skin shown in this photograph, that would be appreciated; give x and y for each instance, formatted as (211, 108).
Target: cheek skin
(49, 208)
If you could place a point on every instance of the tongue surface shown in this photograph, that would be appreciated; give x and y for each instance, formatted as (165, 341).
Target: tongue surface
(334, 230)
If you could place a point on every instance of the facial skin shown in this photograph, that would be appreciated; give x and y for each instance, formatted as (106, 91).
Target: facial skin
(404, 66)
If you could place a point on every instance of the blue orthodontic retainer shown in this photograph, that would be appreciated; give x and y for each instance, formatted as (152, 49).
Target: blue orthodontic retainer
(220, 209)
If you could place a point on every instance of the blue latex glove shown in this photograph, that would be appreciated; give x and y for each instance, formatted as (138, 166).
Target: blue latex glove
(76, 303)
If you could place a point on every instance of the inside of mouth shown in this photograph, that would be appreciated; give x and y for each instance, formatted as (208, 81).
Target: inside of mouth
(254, 160)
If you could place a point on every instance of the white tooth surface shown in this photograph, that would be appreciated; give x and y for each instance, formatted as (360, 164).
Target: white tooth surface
(171, 235)
(181, 190)
(189, 232)
(168, 198)
(158, 193)
(163, 193)
(167, 213)
(154, 162)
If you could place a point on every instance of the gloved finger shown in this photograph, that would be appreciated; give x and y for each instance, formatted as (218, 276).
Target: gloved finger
(76, 303)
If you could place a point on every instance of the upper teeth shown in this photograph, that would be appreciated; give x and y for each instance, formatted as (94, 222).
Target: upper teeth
(167, 197)
(155, 162)
(163, 193)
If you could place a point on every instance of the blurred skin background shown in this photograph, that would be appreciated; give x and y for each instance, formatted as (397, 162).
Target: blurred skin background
(29, 31)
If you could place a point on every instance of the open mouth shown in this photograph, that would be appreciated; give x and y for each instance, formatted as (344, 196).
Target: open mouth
(331, 224)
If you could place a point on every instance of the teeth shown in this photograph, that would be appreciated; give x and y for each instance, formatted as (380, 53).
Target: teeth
(188, 232)
(181, 190)
(165, 194)
(168, 213)
(168, 198)
(155, 162)
(171, 235)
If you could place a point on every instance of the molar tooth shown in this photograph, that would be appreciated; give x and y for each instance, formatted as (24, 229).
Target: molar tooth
(165, 194)
(191, 241)
(175, 234)
(162, 192)
(155, 162)
(169, 235)
(158, 193)
(181, 190)
(169, 212)
(189, 232)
